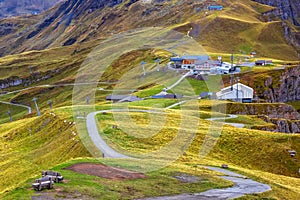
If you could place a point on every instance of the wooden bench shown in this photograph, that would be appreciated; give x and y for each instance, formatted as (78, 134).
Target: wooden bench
(43, 183)
(55, 176)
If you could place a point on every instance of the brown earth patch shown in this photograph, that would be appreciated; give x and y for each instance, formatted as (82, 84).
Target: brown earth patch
(104, 171)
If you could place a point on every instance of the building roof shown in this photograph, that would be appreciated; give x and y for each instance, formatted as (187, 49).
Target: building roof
(130, 99)
(240, 87)
(122, 98)
(199, 57)
(211, 62)
(167, 96)
(260, 61)
(176, 59)
(215, 7)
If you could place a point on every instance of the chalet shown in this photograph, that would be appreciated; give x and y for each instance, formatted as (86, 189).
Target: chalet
(188, 62)
(215, 7)
(206, 65)
(238, 92)
(122, 98)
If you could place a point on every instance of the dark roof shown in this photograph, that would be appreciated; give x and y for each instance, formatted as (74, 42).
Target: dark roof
(176, 59)
(130, 99)
(168, 96)
(116, 97)
(122, 98)
(260, 61)
(204, 94)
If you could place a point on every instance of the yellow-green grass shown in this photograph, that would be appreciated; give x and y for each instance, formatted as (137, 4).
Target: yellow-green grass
(16, 112)
(283, 187)
(249, 121)
(295, 104)
(261, 155)
(30, 145)
(234, 145)
(162, 182)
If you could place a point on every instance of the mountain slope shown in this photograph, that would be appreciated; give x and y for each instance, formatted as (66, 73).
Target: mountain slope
(77, 21)
(10, 8)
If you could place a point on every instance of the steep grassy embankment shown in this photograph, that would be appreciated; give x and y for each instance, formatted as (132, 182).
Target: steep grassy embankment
(30, 145)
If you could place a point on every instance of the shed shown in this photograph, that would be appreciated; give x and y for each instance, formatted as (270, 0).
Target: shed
(260, 62)
(215, 7)
(122, 98)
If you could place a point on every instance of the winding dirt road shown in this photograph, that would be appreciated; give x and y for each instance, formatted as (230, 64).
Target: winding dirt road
(242, 185)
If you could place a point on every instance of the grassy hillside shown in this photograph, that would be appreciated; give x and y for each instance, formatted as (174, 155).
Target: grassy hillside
(30, 145)
(239, 27)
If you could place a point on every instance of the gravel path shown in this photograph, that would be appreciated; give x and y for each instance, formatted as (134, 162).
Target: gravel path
(238, 125)
(242, 186)
(18, 105)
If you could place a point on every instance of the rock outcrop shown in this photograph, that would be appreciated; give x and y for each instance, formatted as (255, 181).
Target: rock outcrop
(285, 118)
(287, 9)
(284, 88)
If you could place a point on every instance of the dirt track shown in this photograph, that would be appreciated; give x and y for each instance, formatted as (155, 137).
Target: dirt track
(105, 171)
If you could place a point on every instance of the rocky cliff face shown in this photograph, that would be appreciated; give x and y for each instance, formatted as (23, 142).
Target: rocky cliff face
(284, 88)
(284, 117)
(276, 110)
(281, 125)
(287, 9)
(10, 8)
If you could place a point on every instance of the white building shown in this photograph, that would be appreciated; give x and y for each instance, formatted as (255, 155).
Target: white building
(239, 92)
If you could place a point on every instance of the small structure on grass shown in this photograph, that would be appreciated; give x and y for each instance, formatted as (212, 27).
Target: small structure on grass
(224, 166)
(167, 96)
(122, 98)
(260, 62)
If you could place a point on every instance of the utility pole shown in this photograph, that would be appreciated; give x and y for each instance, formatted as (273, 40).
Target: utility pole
(237, 89)
(232, 59)
(158, 61)
(231, 81)
(36, 106)
(87, 99)
(50, 103)
(9, 114)
(143, 67)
